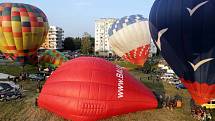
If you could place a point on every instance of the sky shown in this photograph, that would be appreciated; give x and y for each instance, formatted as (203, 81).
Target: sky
(78, 16)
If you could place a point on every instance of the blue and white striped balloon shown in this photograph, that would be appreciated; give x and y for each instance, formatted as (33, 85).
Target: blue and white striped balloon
(130, 38)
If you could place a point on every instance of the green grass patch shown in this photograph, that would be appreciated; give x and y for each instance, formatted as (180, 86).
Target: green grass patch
(126, 64)
(15, 70)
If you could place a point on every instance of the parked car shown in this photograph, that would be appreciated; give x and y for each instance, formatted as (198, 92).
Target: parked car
(175, 82)
(209, 105)
(180, 86)
(10, 95)
(37, 77)
(9, 91)
(167, 77)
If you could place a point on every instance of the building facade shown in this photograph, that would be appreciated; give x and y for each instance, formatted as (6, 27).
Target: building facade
(54, 39)
(102, 46)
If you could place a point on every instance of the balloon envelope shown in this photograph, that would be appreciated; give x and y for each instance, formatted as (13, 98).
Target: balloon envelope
(89, 89)
(23, 28)
(52, 58)
(184, 32)
(130, 38)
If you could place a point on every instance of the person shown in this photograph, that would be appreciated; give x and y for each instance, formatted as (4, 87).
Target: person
(24, 76)
(172, 103)
(157, 79)
(204, 116)
(208, 116)
(50, 69)
(161, 100)
(168, 102)
(16, 79)
(36, 104)
(39, 68)
(38, 86)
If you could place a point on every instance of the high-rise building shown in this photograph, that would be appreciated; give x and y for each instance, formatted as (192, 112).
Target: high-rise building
(54, 38)
(102, 46)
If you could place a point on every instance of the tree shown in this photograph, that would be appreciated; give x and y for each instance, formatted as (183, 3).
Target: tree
(85, 45)
(92, 45)
(72, 44)
(77, 43)
(69, 43)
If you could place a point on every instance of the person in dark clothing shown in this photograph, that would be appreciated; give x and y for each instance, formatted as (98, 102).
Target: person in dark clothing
(36, 104)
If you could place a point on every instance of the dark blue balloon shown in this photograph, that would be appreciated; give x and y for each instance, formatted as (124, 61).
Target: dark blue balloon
(186, 30)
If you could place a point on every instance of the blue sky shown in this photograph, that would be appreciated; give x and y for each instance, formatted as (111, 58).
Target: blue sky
(78, 16)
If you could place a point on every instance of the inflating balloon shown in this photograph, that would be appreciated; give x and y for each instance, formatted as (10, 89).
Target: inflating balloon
(184, 32)
(52, 58)
(7, 56)
(89, 89)
(130, 38)
(23, 28)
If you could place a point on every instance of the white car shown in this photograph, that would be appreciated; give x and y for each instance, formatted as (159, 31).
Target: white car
(175, 82)
(166, 77)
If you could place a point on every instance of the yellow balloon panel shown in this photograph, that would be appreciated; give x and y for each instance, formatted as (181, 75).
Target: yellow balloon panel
(9, 38)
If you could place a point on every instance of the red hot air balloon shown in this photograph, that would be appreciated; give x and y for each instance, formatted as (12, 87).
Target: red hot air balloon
(89, 89)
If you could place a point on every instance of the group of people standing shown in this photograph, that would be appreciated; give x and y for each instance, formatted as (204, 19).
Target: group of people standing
(200, 113)
(166, 101)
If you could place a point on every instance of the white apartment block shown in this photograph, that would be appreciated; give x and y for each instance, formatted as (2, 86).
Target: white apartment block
(55, 38)
(102, 46)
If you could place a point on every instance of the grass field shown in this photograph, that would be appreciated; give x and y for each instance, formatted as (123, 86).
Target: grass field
(25, 110)
(125, 64)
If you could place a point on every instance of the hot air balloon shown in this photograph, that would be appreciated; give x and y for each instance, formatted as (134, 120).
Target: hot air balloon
(130, 38)
(7, 56)
(184, 32)
(23, 28)
(52, 58)
(89, 89)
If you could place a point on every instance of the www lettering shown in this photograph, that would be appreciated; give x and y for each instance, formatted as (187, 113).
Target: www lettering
(120, 80)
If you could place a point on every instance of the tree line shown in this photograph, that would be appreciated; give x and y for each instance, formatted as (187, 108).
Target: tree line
(85, 44)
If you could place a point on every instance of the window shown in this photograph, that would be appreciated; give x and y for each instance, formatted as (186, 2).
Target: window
(213, 102)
